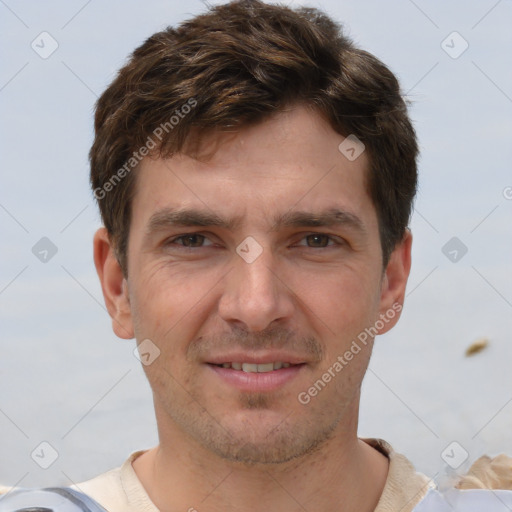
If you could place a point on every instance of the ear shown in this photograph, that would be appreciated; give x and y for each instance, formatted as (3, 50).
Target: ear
(113, 285)
(394, 282)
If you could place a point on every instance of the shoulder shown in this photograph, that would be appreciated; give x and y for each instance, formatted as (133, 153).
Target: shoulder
(104, 488)
(404, 487)
(119, 489)
(486, 486)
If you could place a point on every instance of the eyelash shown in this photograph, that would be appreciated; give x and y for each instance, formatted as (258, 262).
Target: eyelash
(332, 241)
(186, 235)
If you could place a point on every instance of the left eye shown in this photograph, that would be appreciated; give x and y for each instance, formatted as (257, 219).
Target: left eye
(191, 240)
(317, 240)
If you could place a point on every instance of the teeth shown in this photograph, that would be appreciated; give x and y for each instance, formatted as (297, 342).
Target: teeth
(256, 368)
(267, 367)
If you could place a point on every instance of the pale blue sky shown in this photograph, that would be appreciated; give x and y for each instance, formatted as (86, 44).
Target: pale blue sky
(64, 376)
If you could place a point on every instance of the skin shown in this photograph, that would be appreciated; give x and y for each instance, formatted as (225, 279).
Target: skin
(308, 295)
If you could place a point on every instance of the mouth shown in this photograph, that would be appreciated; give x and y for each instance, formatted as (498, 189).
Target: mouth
(255, 367)
(257, 376)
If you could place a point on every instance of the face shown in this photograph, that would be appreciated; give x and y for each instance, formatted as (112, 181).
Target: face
(252, 272)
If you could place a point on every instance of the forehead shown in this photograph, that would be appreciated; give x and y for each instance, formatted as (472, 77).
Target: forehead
(289, 162)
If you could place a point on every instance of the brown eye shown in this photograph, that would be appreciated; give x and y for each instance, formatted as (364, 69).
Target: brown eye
(192, 240)
(318, 240)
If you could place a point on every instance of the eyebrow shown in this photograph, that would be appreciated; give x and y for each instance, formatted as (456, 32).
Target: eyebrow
(329, 218)
(187, 217)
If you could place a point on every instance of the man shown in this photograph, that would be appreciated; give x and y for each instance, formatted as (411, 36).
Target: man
(255, 173)
(248, 250)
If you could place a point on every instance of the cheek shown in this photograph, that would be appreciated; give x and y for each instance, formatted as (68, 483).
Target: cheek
(169, 304)
(339, 307)
(339, 298)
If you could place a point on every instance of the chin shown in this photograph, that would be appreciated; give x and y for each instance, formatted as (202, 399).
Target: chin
(271, 449)
(265, 437)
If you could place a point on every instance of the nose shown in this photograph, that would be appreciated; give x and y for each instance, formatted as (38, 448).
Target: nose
(255, 296)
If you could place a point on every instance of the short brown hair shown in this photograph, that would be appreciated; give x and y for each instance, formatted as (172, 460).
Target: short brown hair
(236, 65)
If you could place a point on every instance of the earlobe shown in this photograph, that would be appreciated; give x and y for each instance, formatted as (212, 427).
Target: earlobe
(394, 282)
(113, 285)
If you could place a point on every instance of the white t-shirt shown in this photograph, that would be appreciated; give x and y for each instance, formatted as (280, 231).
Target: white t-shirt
(486, 487)
(119, 490)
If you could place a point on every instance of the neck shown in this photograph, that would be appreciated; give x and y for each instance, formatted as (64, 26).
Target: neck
(179, 474)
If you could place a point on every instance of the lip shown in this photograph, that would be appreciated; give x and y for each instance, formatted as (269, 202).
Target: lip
(252, 382)
(261, 357)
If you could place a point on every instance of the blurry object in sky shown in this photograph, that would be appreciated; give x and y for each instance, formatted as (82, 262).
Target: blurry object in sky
(477, 346)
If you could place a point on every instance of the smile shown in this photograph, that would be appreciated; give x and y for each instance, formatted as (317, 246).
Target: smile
(251, 377)
(255, 368)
